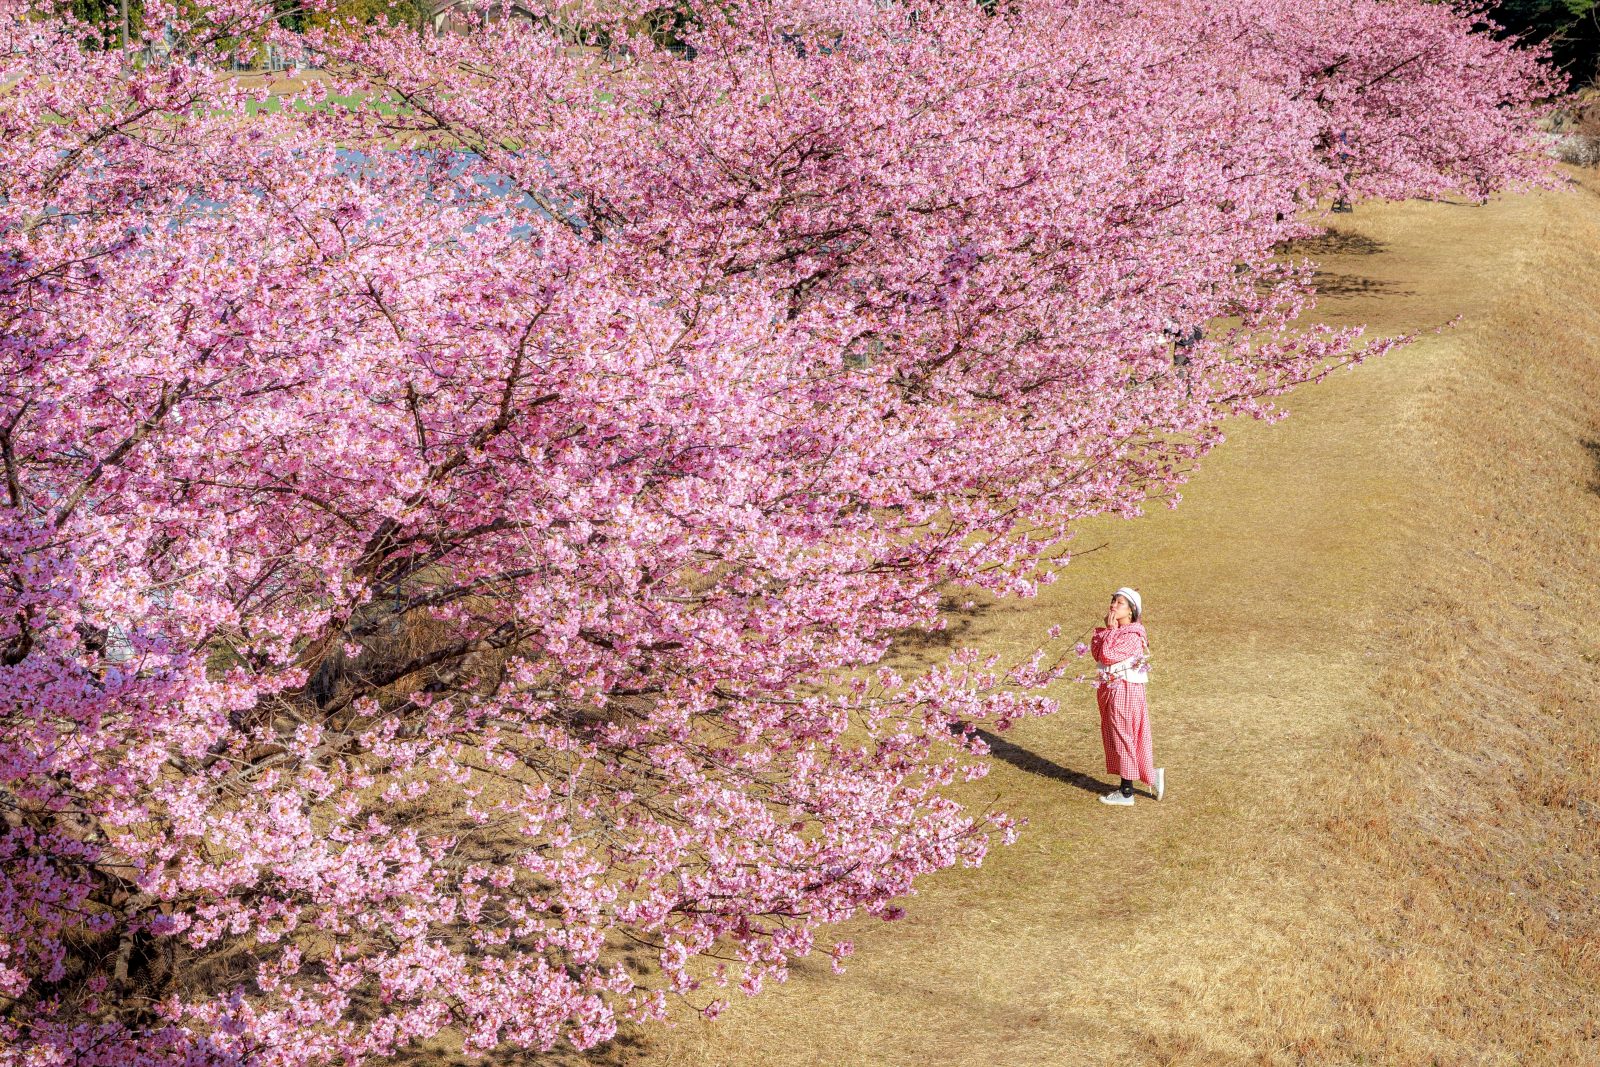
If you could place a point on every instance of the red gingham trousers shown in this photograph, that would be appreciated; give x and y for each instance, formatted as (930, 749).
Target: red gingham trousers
(1125, 731)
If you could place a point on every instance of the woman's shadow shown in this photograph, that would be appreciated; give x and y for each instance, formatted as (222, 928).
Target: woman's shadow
(1024, 760)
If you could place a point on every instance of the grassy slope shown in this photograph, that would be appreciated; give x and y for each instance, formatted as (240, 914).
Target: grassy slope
(1378, 638)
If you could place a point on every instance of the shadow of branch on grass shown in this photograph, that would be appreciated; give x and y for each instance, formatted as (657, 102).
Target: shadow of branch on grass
(1592, 446)
(1331, 283)
(1335, 242)
(1026, 760)
(618, 1052)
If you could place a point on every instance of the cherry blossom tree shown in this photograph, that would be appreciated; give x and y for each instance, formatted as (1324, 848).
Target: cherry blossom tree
(1405, 102)
(450, 543)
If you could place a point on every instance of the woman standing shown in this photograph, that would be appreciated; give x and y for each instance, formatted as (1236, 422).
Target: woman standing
(1120, 648)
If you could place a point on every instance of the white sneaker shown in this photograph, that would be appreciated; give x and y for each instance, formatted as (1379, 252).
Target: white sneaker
(1161, 782)
(1116, 797)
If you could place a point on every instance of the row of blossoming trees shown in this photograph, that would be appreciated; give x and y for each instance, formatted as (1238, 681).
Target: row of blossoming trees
(446, 539)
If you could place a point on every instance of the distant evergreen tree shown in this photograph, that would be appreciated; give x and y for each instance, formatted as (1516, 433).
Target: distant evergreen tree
(405, 12)
(1571, 27)
(290, 14)
(106, 16)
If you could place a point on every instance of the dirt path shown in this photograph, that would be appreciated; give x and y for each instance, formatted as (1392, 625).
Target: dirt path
(1156, 934)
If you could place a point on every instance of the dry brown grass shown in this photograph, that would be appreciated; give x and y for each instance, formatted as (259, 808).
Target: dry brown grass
(1586, 111)
(1377, 630)
(1474, 883)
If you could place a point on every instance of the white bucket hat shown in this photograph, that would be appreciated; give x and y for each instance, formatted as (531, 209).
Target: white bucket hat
(1132, 597)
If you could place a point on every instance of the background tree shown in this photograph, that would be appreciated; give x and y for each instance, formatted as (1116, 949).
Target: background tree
(105, 17)
(1571, 29)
